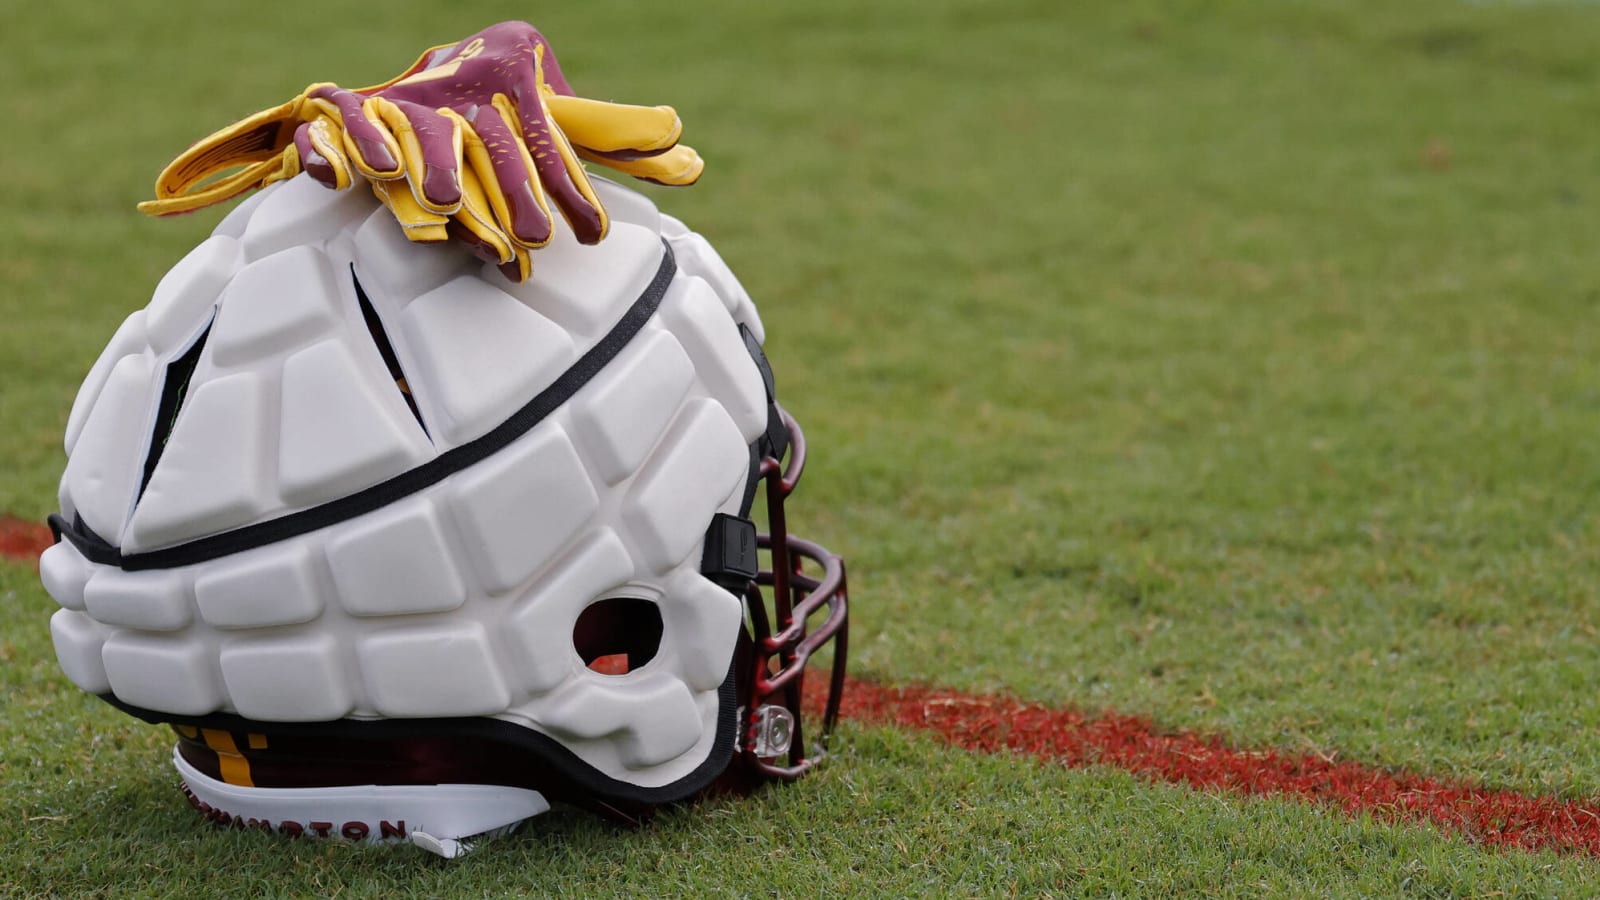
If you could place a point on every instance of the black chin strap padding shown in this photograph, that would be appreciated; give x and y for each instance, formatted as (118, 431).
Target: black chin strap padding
(760, 356)
(775, 442)
(752, 480)
(730, 556)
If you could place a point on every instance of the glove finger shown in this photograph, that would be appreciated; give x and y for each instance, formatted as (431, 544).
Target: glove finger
(614, 127)
(510, 181)
(315, 163)
(557, 167)
(560, 171)
(475, 226)
(321, 153)
(676, 167)
(517, 269)
(430, 146)
(368, 143)
(545, 57)
(618, 155)
(420, 225)
(477, 222)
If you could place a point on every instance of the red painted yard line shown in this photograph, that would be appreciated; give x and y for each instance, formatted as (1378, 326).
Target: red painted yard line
(993, 724)
(22, 540)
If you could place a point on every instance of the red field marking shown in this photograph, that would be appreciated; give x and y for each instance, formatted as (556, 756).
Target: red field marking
(993, 724)
(23, 541)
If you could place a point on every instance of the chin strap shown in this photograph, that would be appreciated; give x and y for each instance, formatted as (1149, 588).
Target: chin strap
(446, 819)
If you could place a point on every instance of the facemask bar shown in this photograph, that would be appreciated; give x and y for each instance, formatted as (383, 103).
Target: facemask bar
(784, 641)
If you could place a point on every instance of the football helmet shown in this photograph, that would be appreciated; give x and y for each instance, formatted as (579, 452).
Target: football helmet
(401, 549)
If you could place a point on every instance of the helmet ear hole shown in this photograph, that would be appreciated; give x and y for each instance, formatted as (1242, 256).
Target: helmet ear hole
(617, 635)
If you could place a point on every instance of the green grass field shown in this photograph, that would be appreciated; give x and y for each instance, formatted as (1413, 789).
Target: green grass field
(1228, 364)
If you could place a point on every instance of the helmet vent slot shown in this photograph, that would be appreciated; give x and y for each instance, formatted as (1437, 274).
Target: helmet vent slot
(174, 388)
(386, 349)
(617, 635)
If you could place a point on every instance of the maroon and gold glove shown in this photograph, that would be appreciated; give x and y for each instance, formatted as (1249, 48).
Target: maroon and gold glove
(470, 141)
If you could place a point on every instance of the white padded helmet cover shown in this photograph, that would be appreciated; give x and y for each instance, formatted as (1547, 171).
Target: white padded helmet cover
(458, 599)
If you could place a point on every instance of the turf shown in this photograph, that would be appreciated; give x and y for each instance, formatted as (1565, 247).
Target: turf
(1229, 364)
(93, 812)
